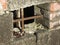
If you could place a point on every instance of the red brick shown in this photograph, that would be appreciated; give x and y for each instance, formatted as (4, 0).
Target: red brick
(54, 6)
(4, 4)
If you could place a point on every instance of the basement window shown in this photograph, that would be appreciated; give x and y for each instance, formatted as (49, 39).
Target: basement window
(28, 12)
(25, 25)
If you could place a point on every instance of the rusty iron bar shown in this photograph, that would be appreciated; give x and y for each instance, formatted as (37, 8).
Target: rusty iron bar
(28, 18)
(22, 15)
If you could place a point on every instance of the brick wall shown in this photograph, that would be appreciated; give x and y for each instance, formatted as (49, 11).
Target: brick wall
(5, 28)
(51, 14)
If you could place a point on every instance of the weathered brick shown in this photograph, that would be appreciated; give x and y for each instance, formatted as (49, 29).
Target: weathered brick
(28, 39)
(50, 24)
(15, 5)
(5, 27)
(50, 15)
(49, 37)
(42, 37)
(50, 6)
(54, 37)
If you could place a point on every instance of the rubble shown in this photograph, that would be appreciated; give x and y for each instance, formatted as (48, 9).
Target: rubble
(32, 27)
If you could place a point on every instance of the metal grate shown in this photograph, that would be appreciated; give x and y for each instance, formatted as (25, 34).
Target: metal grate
(27, 18)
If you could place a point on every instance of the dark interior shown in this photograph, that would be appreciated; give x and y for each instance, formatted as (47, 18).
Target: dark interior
(28, 12)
